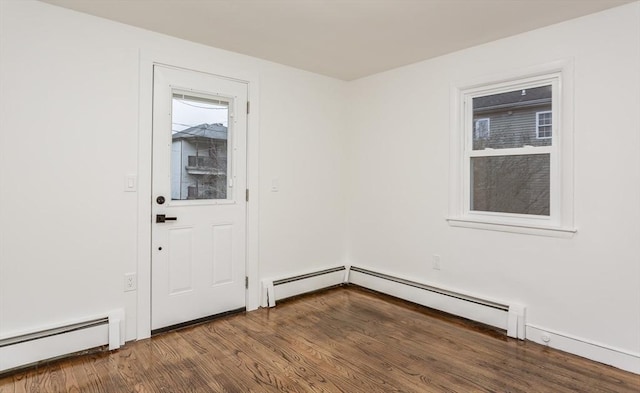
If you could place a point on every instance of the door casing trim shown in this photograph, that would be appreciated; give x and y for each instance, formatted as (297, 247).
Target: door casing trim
(141, 310)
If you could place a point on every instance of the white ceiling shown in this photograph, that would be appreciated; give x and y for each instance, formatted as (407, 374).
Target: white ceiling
(345, 39)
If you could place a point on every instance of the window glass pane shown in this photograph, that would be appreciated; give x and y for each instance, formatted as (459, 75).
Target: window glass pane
(512, 117)
(511, 184)
(544, 124)
(481, 129)
(199, 150)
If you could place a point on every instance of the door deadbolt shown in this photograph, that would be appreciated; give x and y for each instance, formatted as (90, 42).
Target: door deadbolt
(160, 200)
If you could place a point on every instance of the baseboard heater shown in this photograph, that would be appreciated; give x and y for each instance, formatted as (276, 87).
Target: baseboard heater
(278, 289)
(503, 315)
(28, 348)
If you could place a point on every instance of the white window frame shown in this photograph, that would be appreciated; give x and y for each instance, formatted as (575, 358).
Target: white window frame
(560, 221)
(538, 125)
(475, 126)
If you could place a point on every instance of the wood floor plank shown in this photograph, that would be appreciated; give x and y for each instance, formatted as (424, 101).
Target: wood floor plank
(330, 352)
(364, 333)
(320, 371)
(343, 340)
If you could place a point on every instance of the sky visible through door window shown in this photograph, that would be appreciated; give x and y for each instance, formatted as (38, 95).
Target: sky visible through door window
(187, 113)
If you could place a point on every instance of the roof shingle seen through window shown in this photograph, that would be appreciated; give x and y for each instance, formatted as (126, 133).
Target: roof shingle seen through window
(516, 98)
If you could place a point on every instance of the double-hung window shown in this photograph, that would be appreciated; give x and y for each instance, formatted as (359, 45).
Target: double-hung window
(511, 177)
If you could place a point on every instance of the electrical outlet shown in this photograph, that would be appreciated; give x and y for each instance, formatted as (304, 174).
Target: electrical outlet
(275, 184)
(545, 338)
(130, 282)
(436, 262)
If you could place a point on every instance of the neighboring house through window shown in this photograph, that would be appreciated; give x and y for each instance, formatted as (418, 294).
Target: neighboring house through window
(510, 174)
(510, 171)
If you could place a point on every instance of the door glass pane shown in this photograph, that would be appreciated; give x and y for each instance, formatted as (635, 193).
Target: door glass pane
(512, 119)
(511, 184)
(200, 154)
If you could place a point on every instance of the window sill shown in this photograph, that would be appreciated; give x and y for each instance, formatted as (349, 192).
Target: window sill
(560, 232)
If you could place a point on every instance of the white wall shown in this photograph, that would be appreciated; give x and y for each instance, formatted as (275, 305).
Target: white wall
(588, 286)
(302, 147)
(375, 151)
(69, 129)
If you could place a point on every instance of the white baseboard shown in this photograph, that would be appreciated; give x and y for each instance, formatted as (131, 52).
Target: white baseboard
(285, 287)
(602, 353)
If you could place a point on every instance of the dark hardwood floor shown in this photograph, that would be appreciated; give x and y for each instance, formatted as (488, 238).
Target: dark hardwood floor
(342, 340)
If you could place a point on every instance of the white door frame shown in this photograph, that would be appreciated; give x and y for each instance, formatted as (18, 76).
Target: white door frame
(141, 312)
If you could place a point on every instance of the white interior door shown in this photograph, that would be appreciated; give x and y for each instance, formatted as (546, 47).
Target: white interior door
(199, 209)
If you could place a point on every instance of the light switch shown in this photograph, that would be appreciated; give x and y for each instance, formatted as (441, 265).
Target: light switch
(130, 183)
(275, 184)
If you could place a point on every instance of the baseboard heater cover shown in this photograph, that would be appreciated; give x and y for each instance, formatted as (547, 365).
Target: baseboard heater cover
(503, 315)
(282, 288)
(24, 349)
